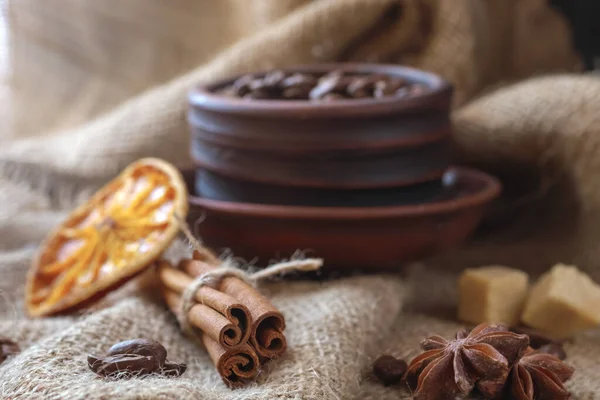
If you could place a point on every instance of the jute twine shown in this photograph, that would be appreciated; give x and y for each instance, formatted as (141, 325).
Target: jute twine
(230, 267)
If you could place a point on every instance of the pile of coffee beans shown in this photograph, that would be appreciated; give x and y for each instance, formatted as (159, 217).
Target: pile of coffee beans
(335, 85)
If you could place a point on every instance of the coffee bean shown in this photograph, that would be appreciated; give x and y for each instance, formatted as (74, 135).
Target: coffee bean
(365, 83)
(395, 84)
(242, 85)
(333, 97)
(537, 339)
(378, 77)
(274, 78)
(380, 92)
(298, 86)
(134, 358)
(417, 89)
(335, 85)
(385, 88)
(359, 85)
(296, 93)
(330, 85)
(402, 92)
(389, 370)
(295, 80)
(228, 92)
(259, 94)
(361, 94)
(173, 369)
(555, 349)
(258, 84)
(335, 74)
(142, 347)
(123, 365)
(323, 88)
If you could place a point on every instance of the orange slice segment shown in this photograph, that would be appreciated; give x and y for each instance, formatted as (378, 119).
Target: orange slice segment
(119, 232)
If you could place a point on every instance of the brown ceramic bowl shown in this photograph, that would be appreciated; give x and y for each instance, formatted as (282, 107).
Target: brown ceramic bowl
(374, 238)
(346, 144)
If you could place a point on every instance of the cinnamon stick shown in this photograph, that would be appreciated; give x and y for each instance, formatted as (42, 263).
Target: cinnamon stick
(236, 366)
(217, 314)
(266, 333)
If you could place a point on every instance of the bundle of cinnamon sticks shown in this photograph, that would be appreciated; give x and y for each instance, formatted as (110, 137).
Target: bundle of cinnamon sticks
(239, 327)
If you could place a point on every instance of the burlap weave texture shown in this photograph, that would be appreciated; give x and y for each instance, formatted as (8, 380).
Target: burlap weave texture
(116, 76)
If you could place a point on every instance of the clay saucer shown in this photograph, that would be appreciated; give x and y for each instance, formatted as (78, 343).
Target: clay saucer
(365, 238)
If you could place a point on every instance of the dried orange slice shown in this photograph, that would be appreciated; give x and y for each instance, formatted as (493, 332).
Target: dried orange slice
(120, 231)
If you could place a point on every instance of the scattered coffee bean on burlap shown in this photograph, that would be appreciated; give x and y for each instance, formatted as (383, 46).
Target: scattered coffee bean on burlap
(537, 339)
(389, 369)
(8, 348)
(135, 357)
(173, 369)
(123, 365)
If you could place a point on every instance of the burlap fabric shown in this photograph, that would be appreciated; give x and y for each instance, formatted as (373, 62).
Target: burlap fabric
(124, 69)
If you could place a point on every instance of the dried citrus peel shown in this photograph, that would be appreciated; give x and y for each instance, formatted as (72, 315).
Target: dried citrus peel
(121, 230)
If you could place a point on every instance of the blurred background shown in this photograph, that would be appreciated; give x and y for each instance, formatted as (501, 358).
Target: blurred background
(63, 62)
(66, 61)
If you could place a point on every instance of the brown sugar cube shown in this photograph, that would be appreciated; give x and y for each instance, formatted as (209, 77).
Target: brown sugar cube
(563, 302)
(493, 294)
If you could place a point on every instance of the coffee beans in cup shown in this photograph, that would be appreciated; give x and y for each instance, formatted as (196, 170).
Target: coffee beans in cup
(332, 86)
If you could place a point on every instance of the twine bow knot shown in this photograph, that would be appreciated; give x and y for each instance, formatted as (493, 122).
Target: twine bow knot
(230, 268)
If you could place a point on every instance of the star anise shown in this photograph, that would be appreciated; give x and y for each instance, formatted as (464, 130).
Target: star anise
(540, 376)
(478, 359)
